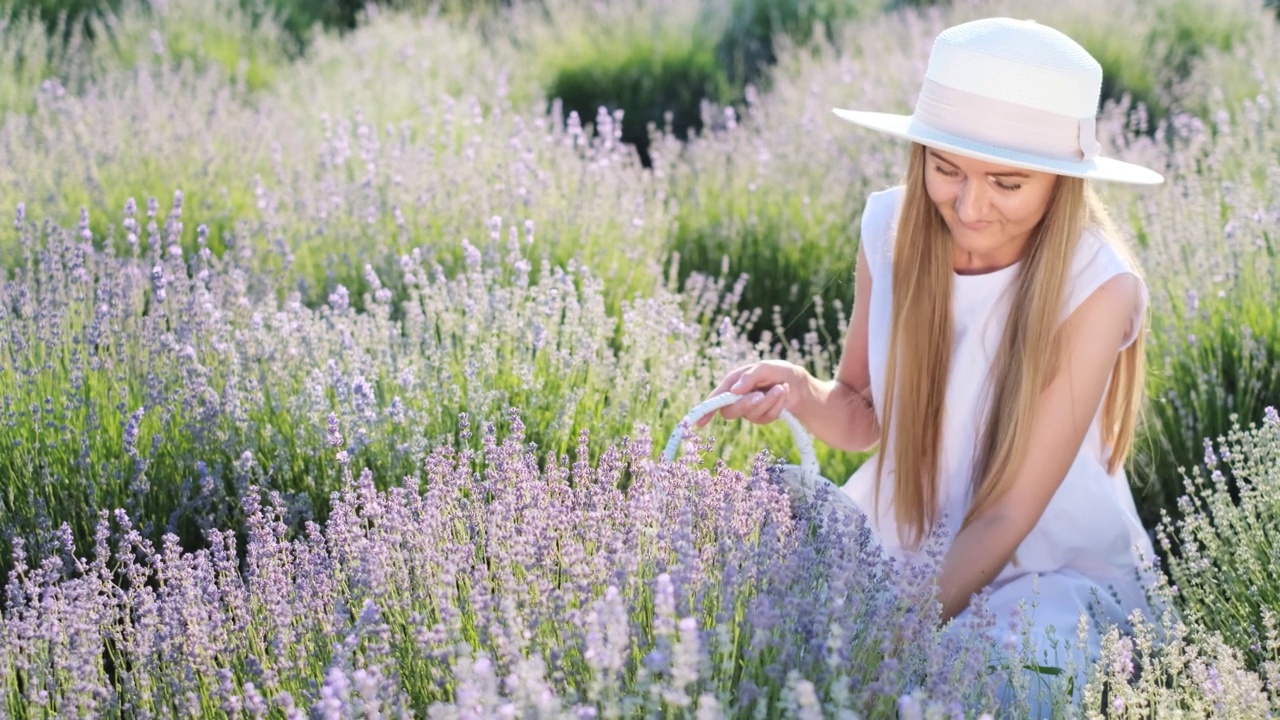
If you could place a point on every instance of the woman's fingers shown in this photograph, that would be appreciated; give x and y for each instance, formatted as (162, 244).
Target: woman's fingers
(769, 407)
(754, 377)
(755, 383)
(743, 407)
(728, 412)
(731, 380)
(758, 406)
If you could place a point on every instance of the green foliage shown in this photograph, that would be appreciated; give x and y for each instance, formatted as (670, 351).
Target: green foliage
(303, 18)
(656, 75)
(168, 398)
(63, 19)
(790, 254)
(1224, 547)
(1147, 48)
(66, 19)
(458, 9)
(28, 58)
(1215, 364)
(248, 46)
(1223, 83)
(777, 194)
(91, 152)
(747, 47)
(661, 75)
(1210, 251)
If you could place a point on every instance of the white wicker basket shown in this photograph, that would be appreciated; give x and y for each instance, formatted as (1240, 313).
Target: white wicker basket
(808, 458)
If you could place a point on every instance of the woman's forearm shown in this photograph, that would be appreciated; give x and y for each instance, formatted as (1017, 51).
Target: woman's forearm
(836, 414)
(974, 559)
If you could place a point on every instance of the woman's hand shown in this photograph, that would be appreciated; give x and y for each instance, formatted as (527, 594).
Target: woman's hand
(766, 388)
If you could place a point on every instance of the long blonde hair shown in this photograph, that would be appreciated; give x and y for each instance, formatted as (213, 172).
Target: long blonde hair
(920, 345)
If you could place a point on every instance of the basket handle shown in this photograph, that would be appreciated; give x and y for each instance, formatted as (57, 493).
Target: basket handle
(808, 458)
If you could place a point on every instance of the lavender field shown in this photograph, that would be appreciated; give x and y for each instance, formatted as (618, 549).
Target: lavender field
(335, 385)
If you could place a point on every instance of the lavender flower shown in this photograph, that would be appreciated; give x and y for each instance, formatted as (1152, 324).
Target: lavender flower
(335, 435)
(385, 553)
(340, 299)
(85, 233)
(131, 427)
(158, 283)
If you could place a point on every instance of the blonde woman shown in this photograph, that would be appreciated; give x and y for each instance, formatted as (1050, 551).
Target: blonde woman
(995, 353)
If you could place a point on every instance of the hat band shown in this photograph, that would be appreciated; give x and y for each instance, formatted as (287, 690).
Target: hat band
(1004, 124)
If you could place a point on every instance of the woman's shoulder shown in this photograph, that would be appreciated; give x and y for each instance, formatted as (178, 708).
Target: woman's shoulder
(882, 206)
(879, 223)
(1099, 258)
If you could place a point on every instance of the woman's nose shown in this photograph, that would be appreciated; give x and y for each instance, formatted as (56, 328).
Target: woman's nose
(971, 202)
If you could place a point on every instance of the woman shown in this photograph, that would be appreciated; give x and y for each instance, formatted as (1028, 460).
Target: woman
(995, 352)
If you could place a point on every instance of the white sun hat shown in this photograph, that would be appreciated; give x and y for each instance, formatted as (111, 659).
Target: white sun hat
(1012, 92)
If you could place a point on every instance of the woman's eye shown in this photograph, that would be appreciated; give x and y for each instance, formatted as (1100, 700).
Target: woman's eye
(945, 172)
(1006, 186)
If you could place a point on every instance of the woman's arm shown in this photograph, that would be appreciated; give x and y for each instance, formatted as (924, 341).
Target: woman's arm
(838, 412)
(1092, 338)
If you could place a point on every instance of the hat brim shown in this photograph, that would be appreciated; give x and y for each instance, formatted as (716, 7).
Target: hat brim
(903, 126)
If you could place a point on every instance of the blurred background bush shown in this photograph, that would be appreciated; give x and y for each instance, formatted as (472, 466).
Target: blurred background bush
(662, 74)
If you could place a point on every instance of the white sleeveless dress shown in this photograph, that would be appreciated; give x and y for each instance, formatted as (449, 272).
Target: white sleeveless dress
(1084, 554)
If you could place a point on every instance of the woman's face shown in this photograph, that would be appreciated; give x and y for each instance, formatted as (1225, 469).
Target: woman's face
(990, 209)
